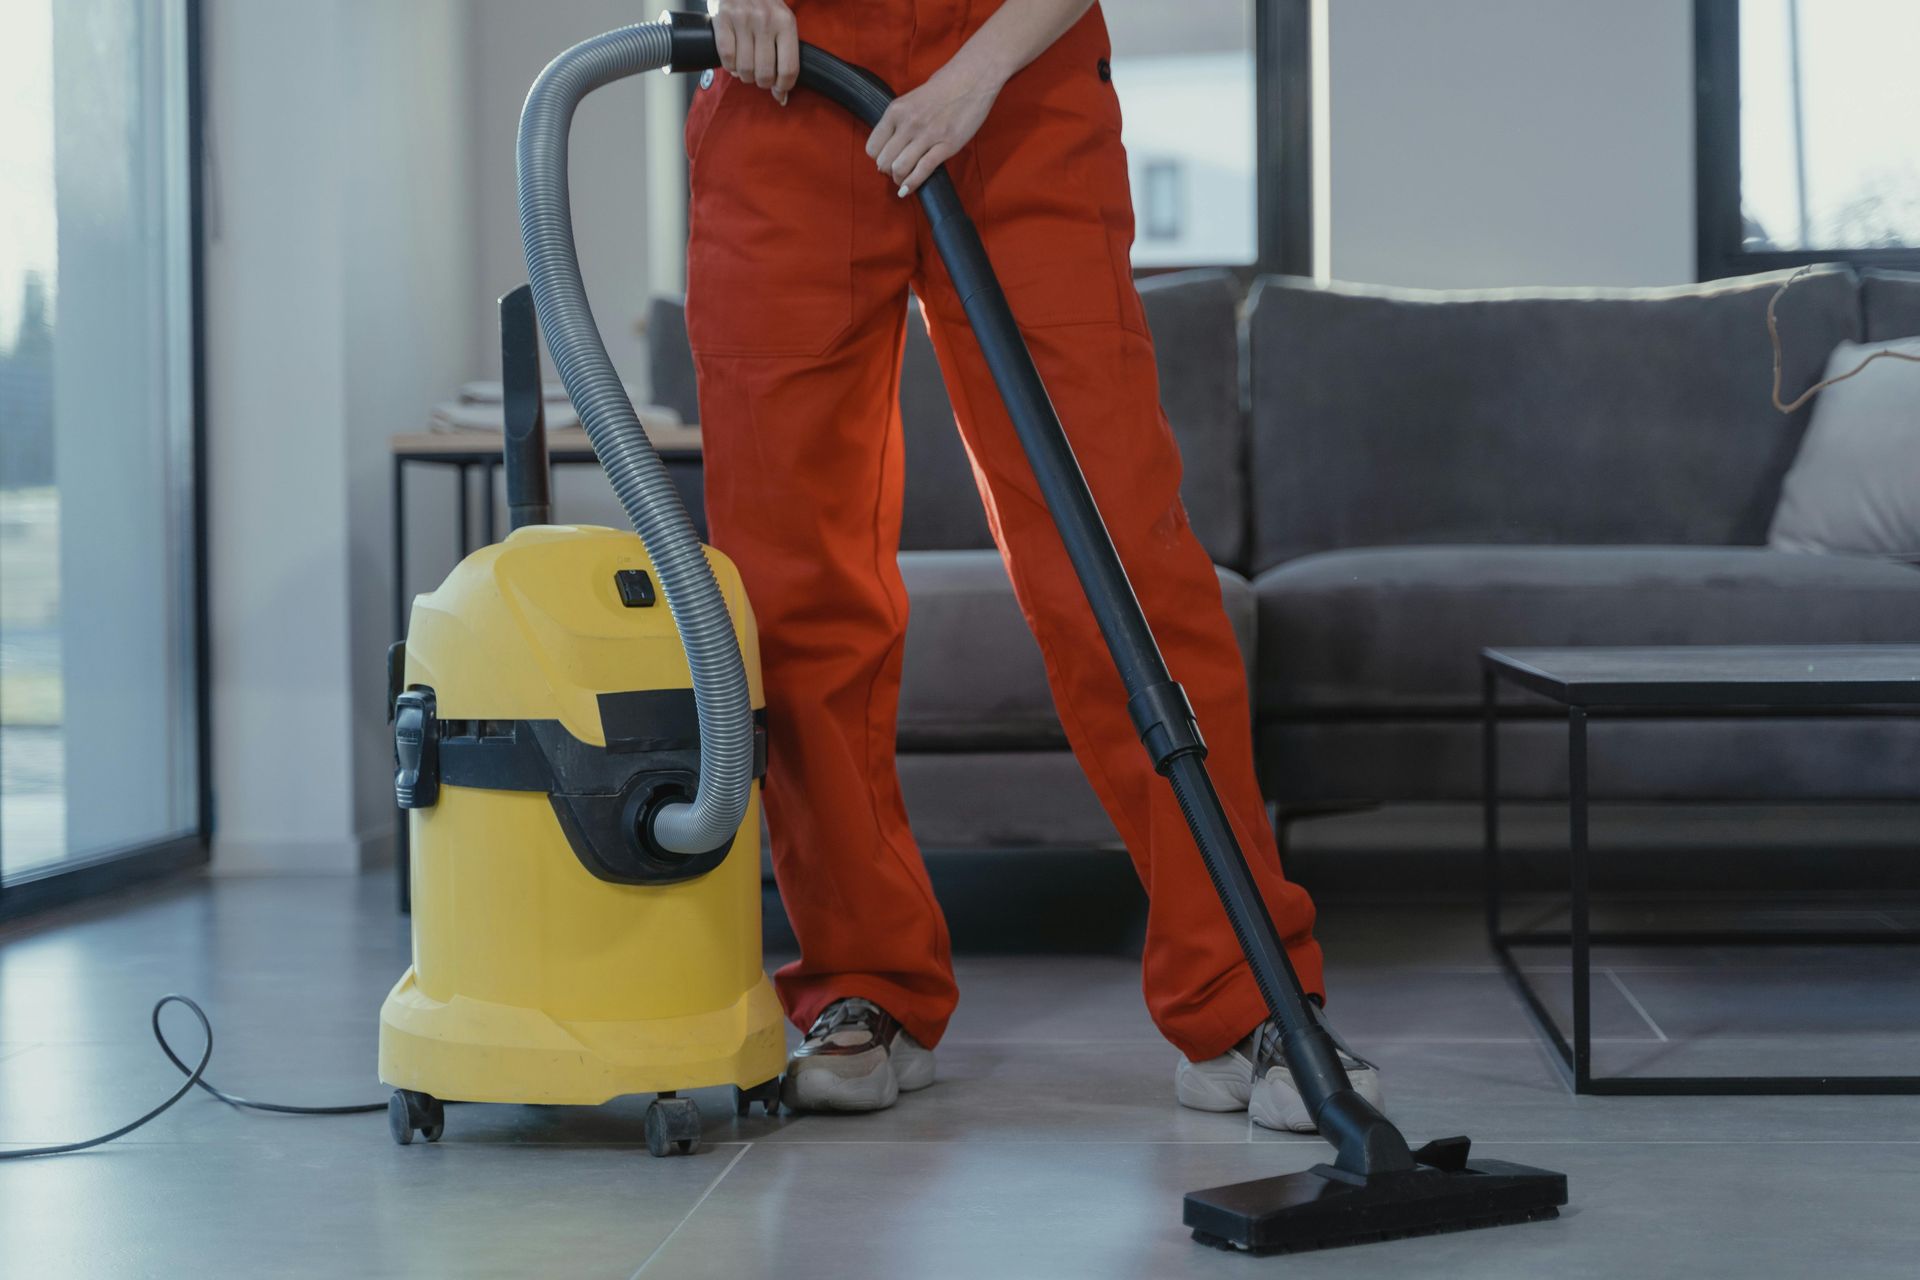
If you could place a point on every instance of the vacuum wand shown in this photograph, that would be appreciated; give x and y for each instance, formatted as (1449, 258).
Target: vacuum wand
(1377, 1187)
(1158, 705)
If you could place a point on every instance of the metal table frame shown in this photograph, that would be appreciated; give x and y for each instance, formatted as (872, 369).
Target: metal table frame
(1704, 698)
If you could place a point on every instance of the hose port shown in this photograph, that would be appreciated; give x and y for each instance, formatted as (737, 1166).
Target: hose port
(651, 860)
(642, 807)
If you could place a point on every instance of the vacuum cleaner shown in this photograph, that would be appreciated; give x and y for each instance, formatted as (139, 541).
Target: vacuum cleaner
(579, 767)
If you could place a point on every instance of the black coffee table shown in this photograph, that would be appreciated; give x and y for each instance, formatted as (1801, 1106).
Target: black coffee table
(1704, 681)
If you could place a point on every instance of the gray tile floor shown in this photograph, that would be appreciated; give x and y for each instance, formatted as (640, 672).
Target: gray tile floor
(1050, 1148)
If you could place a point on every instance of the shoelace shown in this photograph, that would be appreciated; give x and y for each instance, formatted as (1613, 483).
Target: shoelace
(839, 1014)
(1267, 1045)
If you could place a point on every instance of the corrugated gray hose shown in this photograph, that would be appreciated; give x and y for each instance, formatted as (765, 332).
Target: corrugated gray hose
(712, 817)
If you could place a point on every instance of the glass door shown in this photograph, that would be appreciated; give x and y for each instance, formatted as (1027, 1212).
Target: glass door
(100, 730)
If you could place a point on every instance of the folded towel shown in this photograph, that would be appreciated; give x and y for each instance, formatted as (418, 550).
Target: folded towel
(490, 393)
(480, 415)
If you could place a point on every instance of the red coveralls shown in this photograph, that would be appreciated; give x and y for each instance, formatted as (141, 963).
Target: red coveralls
(799, 263)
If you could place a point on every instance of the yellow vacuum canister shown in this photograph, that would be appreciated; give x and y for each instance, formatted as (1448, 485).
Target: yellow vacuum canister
(578, 746)
(545, 709)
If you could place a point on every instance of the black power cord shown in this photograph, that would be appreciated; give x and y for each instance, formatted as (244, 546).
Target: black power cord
(196, 1076)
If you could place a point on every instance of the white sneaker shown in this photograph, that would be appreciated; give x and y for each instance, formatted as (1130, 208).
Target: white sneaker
(1227, 1083)
(856, 1057)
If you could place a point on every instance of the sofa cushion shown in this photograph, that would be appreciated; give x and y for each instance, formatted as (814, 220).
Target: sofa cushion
(1002, 800)
(1890, 304)
(1401, 628)
(973, 678)
(670, 379)
(1195, 319)
(1194, 316)
(1396, 417)
(940, 509)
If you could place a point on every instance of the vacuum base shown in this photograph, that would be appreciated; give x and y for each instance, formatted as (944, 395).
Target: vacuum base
(477, 1051)
(1325, 1208)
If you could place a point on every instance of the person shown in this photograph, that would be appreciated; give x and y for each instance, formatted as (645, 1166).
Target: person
(799, 265)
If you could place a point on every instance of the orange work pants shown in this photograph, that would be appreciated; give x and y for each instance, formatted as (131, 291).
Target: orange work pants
(800, 260)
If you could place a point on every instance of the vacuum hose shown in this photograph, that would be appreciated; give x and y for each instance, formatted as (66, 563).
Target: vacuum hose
(711, 817)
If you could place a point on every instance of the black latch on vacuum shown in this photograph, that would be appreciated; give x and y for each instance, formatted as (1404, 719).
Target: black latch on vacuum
(416, 750)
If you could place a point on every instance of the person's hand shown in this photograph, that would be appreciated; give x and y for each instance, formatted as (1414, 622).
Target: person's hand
(923, 129)
(759, 42)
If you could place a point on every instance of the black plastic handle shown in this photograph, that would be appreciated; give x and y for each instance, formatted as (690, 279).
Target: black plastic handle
(524, 410)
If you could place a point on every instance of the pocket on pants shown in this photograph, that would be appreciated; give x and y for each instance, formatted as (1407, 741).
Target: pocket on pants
(1055, 210)
(770, 230)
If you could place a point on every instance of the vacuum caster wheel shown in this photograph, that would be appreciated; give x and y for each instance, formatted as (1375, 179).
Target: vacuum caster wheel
(409, 1112)
(673, 1127)
(766, 1094)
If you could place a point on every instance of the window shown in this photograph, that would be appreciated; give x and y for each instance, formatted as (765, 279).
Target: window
(1163, 200)
(1805, 119)
(1214, 102)
(101, 751)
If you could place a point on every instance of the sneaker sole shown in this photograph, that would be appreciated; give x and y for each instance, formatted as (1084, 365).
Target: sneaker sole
(912, 1066)
(1198, 1091)
(819, 1090)
(1292, 1117)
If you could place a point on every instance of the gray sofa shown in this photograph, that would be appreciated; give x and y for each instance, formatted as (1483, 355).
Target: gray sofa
(1389, 481)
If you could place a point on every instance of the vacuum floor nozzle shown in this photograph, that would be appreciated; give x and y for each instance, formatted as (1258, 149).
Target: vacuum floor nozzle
(1325, 1208)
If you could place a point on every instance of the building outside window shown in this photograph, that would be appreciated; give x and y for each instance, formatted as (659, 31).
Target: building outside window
(1163, 201)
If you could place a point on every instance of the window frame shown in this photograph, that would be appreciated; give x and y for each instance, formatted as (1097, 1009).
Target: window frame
(1720, 247)
(1283, 137)
(72, 879)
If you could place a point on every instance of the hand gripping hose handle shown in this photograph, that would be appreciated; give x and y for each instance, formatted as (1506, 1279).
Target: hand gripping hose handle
(1365, 1141)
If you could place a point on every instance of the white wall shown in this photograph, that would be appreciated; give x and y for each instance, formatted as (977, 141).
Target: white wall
(512, 40)
(361, 223)
(339, 292)
(1510, 142)
(411, 301)
(508, 42)
(276, 456)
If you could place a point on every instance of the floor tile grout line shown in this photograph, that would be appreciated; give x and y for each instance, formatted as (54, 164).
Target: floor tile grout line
(1277, 1139)
(1698, 1142)
(687, 1217)
(1797, 964)
(1370, 1039)
(1273, 1141)
(1634, 1000)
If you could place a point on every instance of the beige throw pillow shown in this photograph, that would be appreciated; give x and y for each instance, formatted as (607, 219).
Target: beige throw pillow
(1855, 486)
